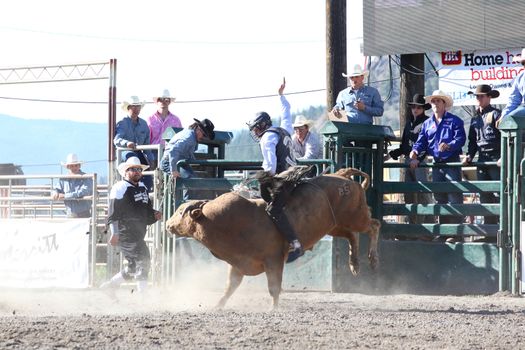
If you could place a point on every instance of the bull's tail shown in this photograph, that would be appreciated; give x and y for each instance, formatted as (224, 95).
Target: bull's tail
(349, 172)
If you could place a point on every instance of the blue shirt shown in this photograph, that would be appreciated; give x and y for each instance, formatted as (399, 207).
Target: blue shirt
(450, 130)
(129, 131)
(73, 189)
(181, 146)
(369, 96)
(516, 95)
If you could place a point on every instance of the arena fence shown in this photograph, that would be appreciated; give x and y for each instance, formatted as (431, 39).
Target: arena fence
(33, 204)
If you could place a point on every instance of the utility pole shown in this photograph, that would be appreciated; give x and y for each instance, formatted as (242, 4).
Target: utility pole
(335, 49)
(412, 82)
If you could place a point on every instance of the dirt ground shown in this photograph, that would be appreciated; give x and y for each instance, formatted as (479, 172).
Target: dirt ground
(168, 318)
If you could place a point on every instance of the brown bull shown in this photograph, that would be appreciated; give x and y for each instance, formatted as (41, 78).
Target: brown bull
(238, 230)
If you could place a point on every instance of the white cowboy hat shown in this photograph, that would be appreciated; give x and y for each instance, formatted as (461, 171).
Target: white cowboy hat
(357, 71)
(130, 163)
(134, 102)
(519, 58)
(71, 159)
(449, 102)
(165, 94)
(301, 120)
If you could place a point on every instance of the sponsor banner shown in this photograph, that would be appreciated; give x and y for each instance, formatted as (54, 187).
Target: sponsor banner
(44, 253)
(460, 72)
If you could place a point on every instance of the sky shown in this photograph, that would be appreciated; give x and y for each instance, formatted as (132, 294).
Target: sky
(198, 49)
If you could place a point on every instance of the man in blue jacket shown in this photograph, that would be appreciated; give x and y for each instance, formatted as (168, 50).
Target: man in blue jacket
(442, 136)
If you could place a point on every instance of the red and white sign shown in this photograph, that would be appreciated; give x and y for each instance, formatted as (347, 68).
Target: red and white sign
(460, 72)
(44, 253)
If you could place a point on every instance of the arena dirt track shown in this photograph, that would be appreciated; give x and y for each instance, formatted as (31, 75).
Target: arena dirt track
(305, 320)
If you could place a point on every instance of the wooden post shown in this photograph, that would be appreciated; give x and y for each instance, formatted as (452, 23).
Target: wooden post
(412, 82)
(335, 49)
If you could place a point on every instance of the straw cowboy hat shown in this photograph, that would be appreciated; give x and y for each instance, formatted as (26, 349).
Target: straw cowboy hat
(165, 94)
(449, 102)
(484, 89)
(132, 162)
(134, 102)
(520, 58)
(71, 159)
(357, 71)
(301, 120)
(207, 127)
(419, 100)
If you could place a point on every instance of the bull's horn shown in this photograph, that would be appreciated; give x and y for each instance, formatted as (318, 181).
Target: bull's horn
(349, 172)
(193, 205)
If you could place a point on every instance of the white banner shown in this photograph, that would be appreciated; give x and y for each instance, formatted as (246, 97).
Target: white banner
(44, 253)
(460, 72)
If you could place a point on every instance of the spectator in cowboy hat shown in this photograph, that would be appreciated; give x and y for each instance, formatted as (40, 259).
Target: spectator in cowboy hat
(517, 93)
(305, 142)
(183, 146)
(442, 136)
(411, 132)
(133, 131)
(485, 138)
(162, 119)
(130, 211)
(71, 191)
(360, 102)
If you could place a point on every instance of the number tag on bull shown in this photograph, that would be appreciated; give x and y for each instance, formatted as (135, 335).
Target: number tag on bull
(344, 190)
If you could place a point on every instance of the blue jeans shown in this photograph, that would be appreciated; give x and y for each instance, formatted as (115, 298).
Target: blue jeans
(185, 173)
(446, 175)
(485, 173)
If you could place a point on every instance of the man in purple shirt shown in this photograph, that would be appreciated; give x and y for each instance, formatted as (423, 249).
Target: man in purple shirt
(161, 120)
(442, 136)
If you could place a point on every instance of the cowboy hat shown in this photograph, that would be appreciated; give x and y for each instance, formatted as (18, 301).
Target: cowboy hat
(165, 94)
(71, 159)
(207, 127)
(130, 163)
(419, 100)
(134, 102)
(484, 89)
(301, 120)
(449, 102)
(358, 70)
(519, 58)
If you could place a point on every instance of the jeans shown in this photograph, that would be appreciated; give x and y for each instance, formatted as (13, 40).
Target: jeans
(417, 175)
(447, 175)
(485, 173)
(185, 173)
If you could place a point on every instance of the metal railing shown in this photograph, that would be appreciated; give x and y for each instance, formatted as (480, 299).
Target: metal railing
(36, 202)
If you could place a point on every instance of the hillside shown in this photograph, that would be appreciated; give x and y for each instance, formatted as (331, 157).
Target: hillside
(40, 145)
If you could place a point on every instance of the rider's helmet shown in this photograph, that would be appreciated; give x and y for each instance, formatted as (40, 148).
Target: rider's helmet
(259, 125)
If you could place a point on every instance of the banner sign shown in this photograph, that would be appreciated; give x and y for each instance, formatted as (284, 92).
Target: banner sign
(460, 72)
(44, 253)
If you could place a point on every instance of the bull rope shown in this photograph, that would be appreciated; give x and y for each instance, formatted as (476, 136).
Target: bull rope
(327, 200)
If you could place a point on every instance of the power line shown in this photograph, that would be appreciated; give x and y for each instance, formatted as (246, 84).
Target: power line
(164, 41)
(188, 101)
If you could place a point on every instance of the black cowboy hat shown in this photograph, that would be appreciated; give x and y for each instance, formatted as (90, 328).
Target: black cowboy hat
(207, 127)
(484, 89)
(419, 100)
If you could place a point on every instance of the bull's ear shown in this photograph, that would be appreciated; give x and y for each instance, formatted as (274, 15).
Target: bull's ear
(196, 213)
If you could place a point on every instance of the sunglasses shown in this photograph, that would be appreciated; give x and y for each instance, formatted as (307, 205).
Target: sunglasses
(166, 100)
(136, 170)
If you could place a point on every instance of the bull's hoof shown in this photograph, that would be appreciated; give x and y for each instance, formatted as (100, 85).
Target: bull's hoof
(354, 268)
(374, 261)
